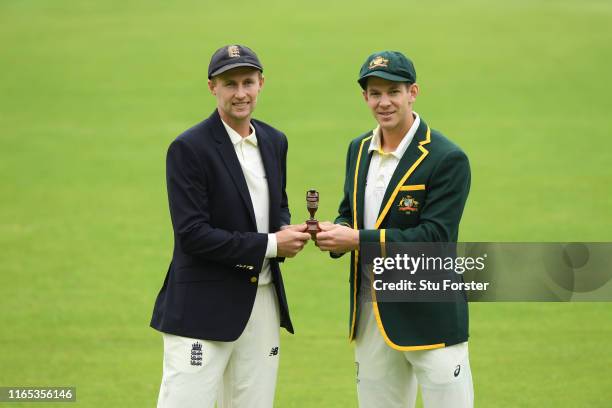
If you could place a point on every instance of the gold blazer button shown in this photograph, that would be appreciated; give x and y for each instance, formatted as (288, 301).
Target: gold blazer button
(253, 279)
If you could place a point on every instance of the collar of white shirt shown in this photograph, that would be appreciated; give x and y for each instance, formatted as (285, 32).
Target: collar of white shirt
(236, 138)
(375, 144)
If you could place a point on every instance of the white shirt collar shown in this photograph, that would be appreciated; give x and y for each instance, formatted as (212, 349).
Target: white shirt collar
(236, 138)
(375, 144)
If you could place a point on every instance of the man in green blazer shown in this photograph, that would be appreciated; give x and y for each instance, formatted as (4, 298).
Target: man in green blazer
(405, 182)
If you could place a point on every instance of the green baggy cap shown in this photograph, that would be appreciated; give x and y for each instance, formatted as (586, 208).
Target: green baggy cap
(390, 65)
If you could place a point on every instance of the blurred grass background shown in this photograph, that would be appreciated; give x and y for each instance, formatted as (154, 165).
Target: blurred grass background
(93, 92)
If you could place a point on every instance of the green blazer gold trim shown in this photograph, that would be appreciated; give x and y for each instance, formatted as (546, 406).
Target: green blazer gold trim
(414, 187)
(435, 171)
(424, 153)
(355, 226)
(400, 187)
(381, 328)
(389, 342)
(356, 181)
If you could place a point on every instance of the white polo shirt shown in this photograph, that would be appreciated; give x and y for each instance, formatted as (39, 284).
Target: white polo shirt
(382, 167)
(257, 183)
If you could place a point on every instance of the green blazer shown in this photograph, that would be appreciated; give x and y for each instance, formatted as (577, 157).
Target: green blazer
(423, 203)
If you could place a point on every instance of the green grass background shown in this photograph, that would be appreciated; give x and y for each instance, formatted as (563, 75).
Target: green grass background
(92, 92)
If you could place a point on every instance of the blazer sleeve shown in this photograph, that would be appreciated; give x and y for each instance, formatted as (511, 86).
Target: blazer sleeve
(285, 215)
(188, 198)
(345, 213)
(441, 213)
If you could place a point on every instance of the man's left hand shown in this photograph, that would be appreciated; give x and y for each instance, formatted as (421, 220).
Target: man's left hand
(337, 238)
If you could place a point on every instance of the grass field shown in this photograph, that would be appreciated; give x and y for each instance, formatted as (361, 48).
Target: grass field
(93, 92)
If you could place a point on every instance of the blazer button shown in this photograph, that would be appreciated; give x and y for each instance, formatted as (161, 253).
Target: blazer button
(253, 279)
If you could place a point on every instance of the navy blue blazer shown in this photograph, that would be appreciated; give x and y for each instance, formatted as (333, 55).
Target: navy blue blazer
(210, 286)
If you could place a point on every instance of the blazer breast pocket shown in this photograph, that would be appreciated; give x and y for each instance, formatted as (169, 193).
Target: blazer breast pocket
(412, 187)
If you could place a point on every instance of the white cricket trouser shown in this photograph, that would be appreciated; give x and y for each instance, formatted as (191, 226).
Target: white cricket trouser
(388, 378)
(237, 374)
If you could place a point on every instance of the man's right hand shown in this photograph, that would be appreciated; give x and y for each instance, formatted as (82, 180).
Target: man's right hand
(290, 240)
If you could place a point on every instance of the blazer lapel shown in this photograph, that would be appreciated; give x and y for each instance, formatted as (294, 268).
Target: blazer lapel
(271, 166)
(229, 158)
(411, 159)
(361, 174)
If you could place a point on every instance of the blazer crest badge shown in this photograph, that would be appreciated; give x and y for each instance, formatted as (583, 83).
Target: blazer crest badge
(408, 204)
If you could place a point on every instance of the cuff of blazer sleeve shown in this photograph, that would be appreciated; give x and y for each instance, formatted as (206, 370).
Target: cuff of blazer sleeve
(272, 247)
(369, 235)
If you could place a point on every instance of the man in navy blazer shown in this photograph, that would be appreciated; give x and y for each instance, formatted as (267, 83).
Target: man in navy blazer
(223, 300)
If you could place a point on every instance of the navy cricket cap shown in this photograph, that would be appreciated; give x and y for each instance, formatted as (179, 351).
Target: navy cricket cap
(232, 56)
(389, 65)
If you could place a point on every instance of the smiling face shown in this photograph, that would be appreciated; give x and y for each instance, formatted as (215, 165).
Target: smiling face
(391, 103)
(236, 91)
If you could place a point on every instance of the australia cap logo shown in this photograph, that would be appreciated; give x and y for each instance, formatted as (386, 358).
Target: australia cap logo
(378, 62)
